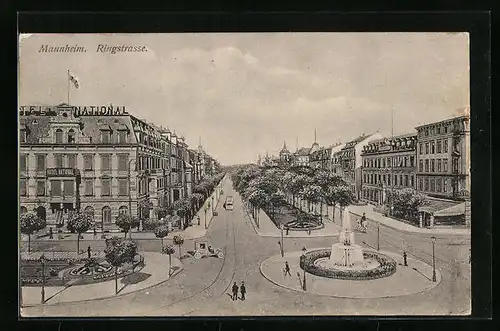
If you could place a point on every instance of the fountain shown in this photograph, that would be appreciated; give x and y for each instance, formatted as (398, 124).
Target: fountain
(346, 259)
(346, 253)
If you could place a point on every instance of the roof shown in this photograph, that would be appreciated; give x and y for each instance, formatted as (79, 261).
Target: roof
(304, 151)
(466, 116)
(436, 206)
(456, 210)
(90, 127)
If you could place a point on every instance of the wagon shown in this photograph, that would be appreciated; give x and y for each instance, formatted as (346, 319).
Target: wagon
(202, 248)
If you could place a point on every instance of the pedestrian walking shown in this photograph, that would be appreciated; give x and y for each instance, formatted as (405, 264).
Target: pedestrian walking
(404, 259)
(287, 269)
(243, 291)
(88, 252)
(235, 291)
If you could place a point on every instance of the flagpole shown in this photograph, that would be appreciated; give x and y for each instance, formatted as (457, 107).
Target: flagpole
(68, 85)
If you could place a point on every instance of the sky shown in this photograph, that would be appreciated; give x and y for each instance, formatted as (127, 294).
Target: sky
(244, 94)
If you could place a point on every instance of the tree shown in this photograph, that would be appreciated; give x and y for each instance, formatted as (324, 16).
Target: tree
(79, 223)
(161, 232)
(178, 240)
(126, 222)
(169, 250)
(31, 223)
(297, 184)
(197, 198)
(119, 251)
(406, 203)
(182, 207)
(276, 200)
(312, 194)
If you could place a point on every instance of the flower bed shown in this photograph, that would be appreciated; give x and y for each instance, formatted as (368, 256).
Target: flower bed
(386, 268)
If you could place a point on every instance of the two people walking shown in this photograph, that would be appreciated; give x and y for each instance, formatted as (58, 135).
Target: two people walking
(242, 289)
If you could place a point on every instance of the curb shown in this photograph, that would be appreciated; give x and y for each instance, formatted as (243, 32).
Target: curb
(438, 274)
(414, 231)
(106, 297)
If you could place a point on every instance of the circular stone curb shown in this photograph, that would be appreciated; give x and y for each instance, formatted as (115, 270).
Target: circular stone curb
(405, 281)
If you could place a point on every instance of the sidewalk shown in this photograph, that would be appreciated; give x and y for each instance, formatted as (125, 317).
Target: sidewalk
(154, 272)
(268, 229)
(401, 226)
(194, 231)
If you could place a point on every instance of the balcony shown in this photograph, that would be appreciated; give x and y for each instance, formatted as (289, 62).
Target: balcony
(62, 172)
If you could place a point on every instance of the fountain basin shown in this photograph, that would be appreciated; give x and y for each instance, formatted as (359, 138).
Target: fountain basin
(375, 265)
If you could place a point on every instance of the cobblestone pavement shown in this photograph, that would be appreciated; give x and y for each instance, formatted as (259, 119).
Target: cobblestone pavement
(203, 287)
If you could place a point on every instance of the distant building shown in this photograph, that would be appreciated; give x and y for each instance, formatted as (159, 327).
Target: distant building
(351, 162)
(322, 157)
(335, 160)
(388, 163)
(285, 157)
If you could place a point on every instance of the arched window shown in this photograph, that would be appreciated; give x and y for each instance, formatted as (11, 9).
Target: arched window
(71, 136)
(106, 215)
(59, 136)
(123, 210)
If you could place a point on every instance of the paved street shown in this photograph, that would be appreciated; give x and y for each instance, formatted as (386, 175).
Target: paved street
(202, 288)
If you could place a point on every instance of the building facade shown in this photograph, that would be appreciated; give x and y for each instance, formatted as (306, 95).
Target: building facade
(101, 164)
(351, 162)
(443, 158)
(388, 163)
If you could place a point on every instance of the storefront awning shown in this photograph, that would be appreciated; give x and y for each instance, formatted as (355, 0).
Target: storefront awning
(440, 208)
(456, 210)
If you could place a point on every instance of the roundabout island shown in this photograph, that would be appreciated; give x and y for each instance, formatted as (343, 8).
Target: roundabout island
(348, 270)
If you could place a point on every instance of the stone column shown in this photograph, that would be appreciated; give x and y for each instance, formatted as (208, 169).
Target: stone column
(432, 221)
(420, 220)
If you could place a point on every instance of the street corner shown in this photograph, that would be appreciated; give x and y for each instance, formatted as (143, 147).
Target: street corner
(156, 270)
(407, 280)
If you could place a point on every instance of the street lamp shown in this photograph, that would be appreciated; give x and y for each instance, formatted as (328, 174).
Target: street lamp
(282, 241)
(433, 259)
(42, 260)
(304, 287)
(378, 235)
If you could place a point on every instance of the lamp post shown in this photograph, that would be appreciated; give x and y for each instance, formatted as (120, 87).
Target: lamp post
(205, 209)
(42, 260)
(378, 235)
(433, 260)
(304, 287)
(282, 241)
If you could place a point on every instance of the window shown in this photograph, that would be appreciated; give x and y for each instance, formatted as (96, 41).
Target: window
(445, 165)
(383, 163)
(122, 162)
(122, 187)
(426, 165)
(59, 160)
(395, 180)
(421, 165)
(89, 187)
(71, 136)
(384, 179)
(438, 184)
(455, 164)
(88, 162)
(40, 163)
(105, 187)
(426, 148)
(445, 146)
(445, 185)
(427, 184)
(123, 210)
(55, 188)
(439, 165)
(22, 137)
(40, 188)
(22, 162)
(420, 184)
(412, 161)
(406, 180)
(400, 180)
(105, 162)
(406, 161)
(433, 163)
(122, 137)
(432, 185)
(439, 130)
(22, 187)
(433, 151)
(71, 160)
(421, 148)
(412, 184)
(445, 129)
(69, 188)
(439, 146)
(106, 137)
(388, 179)
(59, 136)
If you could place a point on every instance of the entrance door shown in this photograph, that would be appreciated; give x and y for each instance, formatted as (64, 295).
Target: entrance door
(176, 195)
(41, 212)
(106, 216)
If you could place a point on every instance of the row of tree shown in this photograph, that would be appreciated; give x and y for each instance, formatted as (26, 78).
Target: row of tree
(271, 188)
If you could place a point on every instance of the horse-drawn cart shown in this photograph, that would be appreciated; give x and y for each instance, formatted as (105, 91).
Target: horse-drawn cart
(202, 248)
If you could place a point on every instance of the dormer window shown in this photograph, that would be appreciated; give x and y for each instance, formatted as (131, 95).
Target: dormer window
(71, 136)
(105, 133)
(122, 133)
(22, 136)
(59, 136)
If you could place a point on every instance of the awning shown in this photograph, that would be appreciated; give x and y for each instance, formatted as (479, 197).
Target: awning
(455, 210)
(435, 207)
